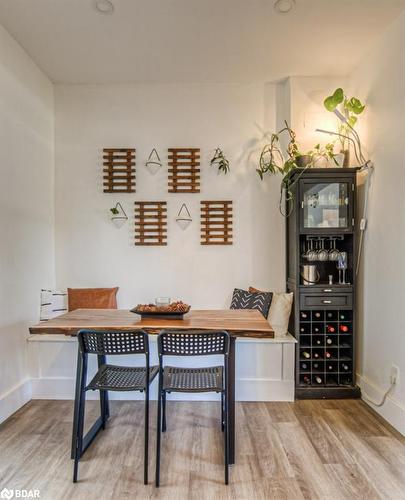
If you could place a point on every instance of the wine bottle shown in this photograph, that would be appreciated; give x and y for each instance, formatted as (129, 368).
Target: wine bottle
(330, 368)
(317, 315)
(316, 355)
(329, 315)
(304, 315)
(329, 341)
(306, 380)
(342, 317)
(344, 328)
(305, 354)
(304, 366)
(318, 342)
(302, 329)
(315, 366)
(316, 329)
(328, 354)
(318, 380)
(345, 367)
(330, 329)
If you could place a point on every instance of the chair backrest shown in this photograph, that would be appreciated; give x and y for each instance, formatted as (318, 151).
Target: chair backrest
(193, 343)
(113, 342)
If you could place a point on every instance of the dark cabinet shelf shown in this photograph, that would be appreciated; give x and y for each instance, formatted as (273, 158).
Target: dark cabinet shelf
(323, 319)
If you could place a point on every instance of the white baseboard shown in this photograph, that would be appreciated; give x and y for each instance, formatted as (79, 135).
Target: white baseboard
(393, 410)
(253, 389)
(14, 399)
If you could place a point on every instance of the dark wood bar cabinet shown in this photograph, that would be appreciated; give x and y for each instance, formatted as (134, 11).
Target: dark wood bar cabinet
(320, 260)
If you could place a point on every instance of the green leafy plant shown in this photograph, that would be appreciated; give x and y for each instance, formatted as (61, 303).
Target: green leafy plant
(347, 110)
(114, 211)
(273, 161)
(220, 161)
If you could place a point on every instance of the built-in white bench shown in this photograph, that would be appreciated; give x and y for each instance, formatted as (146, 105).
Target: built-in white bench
(264, 368)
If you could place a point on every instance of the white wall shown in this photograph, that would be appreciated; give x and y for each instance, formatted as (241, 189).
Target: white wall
(26, 211)
(380, 81)
(91, 252)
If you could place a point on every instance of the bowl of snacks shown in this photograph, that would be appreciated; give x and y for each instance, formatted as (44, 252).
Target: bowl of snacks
(167, 310)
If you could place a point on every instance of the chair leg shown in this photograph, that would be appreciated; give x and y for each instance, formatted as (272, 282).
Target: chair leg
(158, 435)
(79, 434)
(222, 412)
(103, 407)
(164, 411)
(226, 438)
(146, 444)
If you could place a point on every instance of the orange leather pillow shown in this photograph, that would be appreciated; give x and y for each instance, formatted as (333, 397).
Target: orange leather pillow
(254, 290)
(92, 298)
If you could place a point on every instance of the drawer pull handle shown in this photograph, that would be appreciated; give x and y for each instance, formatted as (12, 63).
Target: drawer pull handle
(327, 289)
(326, 302)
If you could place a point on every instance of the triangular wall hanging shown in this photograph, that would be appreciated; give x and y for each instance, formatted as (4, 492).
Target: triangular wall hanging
(183, 218)
(119, 217)
(154, 162)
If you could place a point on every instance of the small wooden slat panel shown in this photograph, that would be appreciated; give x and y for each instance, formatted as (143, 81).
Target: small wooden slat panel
(150, 223)
(216, 223)
(119, 170)
(184, 172)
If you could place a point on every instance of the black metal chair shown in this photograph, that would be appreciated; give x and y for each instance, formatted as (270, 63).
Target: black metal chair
(176, 379)
(109, 378)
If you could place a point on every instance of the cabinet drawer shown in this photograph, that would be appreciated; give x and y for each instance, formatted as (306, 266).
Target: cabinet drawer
(326, 300)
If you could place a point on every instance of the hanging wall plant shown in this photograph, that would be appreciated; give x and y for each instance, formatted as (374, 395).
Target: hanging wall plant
(220, 161)
(118, 217)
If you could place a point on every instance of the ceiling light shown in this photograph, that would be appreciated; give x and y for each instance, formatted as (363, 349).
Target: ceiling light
(103, 6)
(284, 6)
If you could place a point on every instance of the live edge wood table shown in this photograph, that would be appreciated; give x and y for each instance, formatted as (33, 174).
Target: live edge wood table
(237, 322)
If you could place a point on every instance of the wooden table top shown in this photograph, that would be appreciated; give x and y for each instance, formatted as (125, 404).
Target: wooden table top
(238, 322)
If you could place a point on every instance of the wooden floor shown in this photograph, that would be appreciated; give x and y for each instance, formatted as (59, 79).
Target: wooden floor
(307, 449)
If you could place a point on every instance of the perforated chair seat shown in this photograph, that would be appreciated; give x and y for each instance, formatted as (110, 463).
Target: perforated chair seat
(193, 379)
(122, 378)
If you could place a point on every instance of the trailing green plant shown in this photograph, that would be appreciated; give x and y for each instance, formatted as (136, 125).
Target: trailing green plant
(273, 161)
(347, 110)
(114, 211)
(220, 161)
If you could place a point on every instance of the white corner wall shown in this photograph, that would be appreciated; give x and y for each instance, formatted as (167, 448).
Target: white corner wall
(380, 80)
(26, 212)
(91, 252)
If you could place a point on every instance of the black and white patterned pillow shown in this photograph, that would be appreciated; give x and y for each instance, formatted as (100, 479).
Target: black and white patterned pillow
(242, 299)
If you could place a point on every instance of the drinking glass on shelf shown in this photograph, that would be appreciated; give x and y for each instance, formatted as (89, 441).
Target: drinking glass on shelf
(342, 266)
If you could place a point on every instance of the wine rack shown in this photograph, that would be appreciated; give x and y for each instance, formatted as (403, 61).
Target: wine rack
(321, 251)
(326, 348)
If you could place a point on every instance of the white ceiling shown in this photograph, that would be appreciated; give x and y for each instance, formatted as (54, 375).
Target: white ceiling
(195, 40)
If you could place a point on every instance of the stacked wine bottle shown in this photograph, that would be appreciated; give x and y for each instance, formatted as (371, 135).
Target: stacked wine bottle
(326, 347)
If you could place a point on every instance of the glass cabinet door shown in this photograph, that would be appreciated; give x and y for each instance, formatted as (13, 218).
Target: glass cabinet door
(326, 205)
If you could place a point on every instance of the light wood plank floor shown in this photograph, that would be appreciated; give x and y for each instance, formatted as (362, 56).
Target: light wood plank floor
(302, 450)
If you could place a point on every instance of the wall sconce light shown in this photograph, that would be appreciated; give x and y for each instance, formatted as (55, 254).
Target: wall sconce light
(118, 217)
(183, 218)
(154, 162)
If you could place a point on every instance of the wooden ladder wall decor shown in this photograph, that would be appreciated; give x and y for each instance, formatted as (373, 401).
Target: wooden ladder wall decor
(216, 223)
(119, 170)
(150, 223)
(184, 172)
